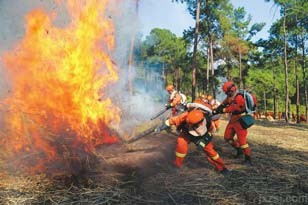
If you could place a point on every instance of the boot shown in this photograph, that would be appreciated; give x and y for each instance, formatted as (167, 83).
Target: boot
(239, 152)
(247, 160)
(225, 172)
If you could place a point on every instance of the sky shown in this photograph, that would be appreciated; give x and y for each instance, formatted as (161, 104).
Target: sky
(175, 17)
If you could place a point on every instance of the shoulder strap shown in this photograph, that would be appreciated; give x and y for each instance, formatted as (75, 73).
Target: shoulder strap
(208, 121)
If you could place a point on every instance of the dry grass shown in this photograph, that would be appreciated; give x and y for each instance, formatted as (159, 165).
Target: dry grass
(142, 174)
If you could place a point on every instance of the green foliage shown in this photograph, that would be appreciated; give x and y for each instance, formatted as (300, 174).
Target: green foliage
(230, 31)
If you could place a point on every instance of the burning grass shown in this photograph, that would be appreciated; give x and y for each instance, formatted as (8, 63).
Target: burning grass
(145, 176)
(58, 107)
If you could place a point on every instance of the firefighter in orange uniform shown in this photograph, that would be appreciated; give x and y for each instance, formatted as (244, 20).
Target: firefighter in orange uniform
(194, 126)
(234, 104)
(175, 100)
(203, 97)
(203, 102)
(215, 118)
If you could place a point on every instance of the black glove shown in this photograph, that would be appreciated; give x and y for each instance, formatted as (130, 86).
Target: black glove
(218, 110)
(168, 106)
(215, 112)
(181, 107)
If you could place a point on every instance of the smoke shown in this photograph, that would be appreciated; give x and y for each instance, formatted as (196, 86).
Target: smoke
(147, 94)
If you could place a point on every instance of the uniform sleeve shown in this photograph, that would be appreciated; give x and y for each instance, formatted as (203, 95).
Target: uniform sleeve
(226, 101)
(178, 120)
(237, 105)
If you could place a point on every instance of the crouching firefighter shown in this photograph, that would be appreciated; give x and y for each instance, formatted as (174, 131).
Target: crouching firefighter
(235, 104)
(194, 127)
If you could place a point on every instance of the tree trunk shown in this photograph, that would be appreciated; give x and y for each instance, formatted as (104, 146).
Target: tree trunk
(131, 52)
(286, 65)
(264, 100)
(229, 68)
(296, 82)
(212, 68)
(240, 66)
(177, 77)
(208, 69)
(274, 90)
(164, 72)
(194, 69)
(130, 64)
(304, 75)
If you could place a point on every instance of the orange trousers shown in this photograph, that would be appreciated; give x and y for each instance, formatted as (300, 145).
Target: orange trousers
(211, 155)
(241, 133)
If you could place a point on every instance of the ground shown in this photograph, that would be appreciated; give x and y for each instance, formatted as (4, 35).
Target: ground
(142, 173)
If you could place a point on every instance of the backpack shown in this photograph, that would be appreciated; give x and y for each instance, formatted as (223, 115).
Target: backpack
(250, 101)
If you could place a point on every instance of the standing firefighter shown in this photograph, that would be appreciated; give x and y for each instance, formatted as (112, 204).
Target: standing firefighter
(176, 100)
(236, 104)
(194, 126)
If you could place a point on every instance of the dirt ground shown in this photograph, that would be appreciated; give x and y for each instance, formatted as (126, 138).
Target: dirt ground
(142, 173)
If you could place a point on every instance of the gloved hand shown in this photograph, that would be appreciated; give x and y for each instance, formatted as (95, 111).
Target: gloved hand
(168, 106)
(218, 110)
(162, 127)
(214, 112)
(181, 107)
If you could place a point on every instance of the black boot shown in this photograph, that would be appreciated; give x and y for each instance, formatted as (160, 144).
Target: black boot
(239, 153)
(225, 172)
(247, 160)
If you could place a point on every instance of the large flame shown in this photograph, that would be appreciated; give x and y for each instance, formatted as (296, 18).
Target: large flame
(58, 78)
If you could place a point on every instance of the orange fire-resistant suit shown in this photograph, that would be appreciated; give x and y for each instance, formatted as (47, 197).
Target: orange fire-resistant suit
(199, 135)
(236, 106)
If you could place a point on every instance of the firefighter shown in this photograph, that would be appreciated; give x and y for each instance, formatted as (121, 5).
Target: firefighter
(203, 102)
(203, 97)
(234, 104)
(194, 126)
(176, 100)
(215, 118)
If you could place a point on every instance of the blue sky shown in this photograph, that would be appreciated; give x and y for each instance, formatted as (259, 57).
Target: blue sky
(175, 17)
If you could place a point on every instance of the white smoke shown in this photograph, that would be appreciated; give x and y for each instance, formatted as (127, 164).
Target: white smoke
(144, 103)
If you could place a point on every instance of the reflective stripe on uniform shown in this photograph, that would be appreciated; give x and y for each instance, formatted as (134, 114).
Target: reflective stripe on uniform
(215, 157)
(230, 141)
(244, 146)
(180, 154)
(202, 144)
(244, 113)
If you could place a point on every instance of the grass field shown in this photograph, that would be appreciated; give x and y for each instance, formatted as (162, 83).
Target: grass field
(141, 173)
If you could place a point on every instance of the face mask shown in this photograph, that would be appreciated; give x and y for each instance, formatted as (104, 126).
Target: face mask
(229, 93)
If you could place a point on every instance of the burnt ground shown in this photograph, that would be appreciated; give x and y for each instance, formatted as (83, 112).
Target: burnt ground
(142, 173)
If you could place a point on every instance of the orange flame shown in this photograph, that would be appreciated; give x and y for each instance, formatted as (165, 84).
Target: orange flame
(58, 80)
